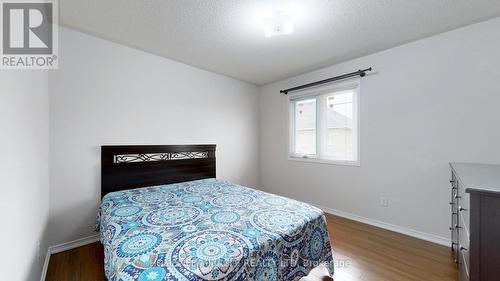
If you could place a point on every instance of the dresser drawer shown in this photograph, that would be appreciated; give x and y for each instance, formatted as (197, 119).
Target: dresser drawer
(463, 218)
(454, 216)
(463, 236)
(463, 197)
(463, 232)
(463, 247)
(463, 267)
(463, 205)
(464, 243)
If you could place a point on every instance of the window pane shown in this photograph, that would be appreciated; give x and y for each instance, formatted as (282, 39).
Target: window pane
(340, 130)
(305, 127)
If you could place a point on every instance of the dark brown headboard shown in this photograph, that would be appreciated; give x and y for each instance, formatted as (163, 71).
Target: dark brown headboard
(132, 166)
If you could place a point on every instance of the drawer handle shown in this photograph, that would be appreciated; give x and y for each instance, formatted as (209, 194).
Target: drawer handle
(452, 203)
(461, 209)
(457, 197)
(462, 248)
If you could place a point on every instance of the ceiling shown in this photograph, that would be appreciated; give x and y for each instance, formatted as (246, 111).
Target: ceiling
(227, 37)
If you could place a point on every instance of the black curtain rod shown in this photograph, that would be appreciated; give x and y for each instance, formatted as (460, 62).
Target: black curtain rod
(360, 73)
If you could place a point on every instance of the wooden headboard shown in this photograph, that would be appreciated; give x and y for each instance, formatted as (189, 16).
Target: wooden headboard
(132, 166)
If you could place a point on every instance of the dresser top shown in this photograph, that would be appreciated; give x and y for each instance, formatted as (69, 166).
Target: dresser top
(478, 177)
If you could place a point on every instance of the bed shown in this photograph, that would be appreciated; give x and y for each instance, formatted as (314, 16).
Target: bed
(164, 216)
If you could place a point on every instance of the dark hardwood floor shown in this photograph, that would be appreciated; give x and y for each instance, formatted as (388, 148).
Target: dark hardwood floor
(362, 253)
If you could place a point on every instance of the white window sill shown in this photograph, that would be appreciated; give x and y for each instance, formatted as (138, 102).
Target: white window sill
(325, 161)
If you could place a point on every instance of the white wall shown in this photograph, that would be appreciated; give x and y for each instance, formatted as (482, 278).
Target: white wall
(106, 93)
(430, 102)
(24, 202)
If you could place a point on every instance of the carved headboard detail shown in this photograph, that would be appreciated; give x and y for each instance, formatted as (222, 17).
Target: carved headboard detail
(132, 166)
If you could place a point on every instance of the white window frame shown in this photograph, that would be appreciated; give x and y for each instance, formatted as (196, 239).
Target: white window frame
(317, 91)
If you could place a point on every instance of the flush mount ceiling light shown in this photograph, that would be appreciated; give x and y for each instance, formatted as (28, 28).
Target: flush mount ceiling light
(278, 23)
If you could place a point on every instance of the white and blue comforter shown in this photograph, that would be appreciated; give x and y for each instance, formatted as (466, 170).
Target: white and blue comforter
(210, 230)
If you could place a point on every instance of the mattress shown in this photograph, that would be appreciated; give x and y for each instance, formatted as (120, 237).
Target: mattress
(210, 230)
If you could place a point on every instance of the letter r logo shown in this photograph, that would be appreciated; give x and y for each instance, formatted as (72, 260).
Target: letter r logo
(27, 28)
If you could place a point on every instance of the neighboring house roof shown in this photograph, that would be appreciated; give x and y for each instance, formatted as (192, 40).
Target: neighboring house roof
(335, 120)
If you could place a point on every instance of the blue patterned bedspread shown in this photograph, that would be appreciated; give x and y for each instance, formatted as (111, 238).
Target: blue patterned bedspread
(210, 230)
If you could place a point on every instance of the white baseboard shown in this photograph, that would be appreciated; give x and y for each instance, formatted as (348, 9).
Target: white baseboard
(396, 228)
(73, 244)
(45, 265)
(64, 247)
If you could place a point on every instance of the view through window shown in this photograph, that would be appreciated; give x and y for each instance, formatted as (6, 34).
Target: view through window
(325, 126)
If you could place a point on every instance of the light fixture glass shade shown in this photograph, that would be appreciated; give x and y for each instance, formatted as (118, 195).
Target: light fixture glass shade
(279, 23)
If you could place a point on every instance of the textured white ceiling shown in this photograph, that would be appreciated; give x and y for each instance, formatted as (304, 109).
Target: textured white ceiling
(226, 37)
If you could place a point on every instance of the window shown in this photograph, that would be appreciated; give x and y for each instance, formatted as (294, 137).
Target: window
(324, 125)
